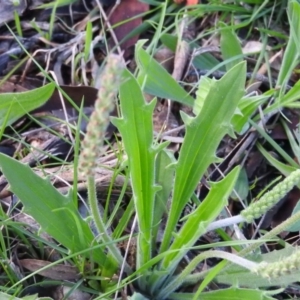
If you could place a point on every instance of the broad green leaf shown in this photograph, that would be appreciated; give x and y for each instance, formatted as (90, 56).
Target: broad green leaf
(56, 213)
(18, 104)
(197, 222)
(230, 46)
(203, 135)
(157, 81)
(136, 129)
(232, 293)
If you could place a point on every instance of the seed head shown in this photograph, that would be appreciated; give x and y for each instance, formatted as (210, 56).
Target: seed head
(268, 200)
(99, 120)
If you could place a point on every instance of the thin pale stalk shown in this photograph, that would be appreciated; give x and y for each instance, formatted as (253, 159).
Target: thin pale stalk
(270, 235)
(174, 284)
(100, 226)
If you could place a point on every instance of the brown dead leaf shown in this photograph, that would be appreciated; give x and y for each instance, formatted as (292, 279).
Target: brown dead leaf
(56, 272)
(127, 9)
(181, 59)
(10, 87)
(254, 46)
(76, 93)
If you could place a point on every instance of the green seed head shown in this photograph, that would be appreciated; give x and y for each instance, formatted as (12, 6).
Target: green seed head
(283, 267)
(268, 200)
(99, 120)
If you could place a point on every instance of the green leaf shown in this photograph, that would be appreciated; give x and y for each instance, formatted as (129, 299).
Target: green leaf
(230, 46)
(246, 107)
(56, 213)
(88, 40)
(241, 188)
(203, 135)
(205, 84)
(290, 99)
(232, 293)
(56, 3)
(207, 61)
(157, 81)
(291, 53)
(170, 41)
(197, 222)
(282, 167)
(136, 129)
(275, 146)
(18, 104)
(294, 16)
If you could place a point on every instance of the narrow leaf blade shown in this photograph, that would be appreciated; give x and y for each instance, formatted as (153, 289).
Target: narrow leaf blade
(203, 135)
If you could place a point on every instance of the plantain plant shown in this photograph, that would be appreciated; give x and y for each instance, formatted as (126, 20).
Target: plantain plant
(162, 186)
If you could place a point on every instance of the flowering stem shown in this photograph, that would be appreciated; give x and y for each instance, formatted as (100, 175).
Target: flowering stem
(100, 226)
(175, 283)
(261, 240)
(225, 222)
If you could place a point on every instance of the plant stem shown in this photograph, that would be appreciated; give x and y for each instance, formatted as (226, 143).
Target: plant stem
(270, 235)
(175, 283)
(100, 226)
(225, 222)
